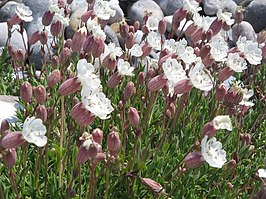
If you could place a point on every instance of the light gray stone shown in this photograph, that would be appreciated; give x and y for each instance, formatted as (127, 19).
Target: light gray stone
(243, 29)
(77, 4)
(7, 11)
(210, 7)
(111, 36)
(119, 15)
(256, 14)
(169, 6)
(137, 11)
(243, 3)
(16, 38)
(9, 107)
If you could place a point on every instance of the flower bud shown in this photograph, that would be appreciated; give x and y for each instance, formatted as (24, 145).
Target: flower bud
(26, 92)
(47, 18)
(133, 116)
(113, 142)
(233, 97)
(4, 127)
(136, 25)
(130, 40)
(87, 46)
(183, 86)
(97, 135)
(81, 115)
(225, 73)
(13, 20)
(131, 29)
(69, 1)
(78, 39)
(65, 56)
(216, 26)
(123, 29)
(10, 158)
(226, 27)
(40, 94)
(205, 51)
(145, 29)
(43, 37)
(68, 43)
(246, 139)
(140, 78)
(209, 130)
(152, 185)
(93, 150)
(56, 28)
(12, 52)
(129, 90)
(239, 14)
(109, 63)
(231, 164)
(114, 80)
(34, 38)
(53, 78)
(191, 29)
(162, 26)
(157, 83)
(100, 157)
(20, 55)
(83, 154)
(209, 34)
(146, 49)
(197, 35)
(41, 113)
(55, 61)
(220, 92)
(13, 140)
(97, 47)
(86, 16)
(178, 16)
(69, 86)
(193, 160)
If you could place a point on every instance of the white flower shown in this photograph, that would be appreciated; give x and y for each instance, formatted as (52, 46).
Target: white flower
(225, 17)
(222, 122)
(212, 152)
(246, 95)
(173, 70)
(24, 12)
(236, 63)
(136, 50)
(87, 143)
(170, 44)
(53, 7)
(95, 29)
(124, 68)
(152, 23)
(250, 49)
(188, 55)
(62, 19)
(102, 9)
(154, 40)
(219, 48)
(34, 131)
(98, 104)
(114, 51)
(262, 173)
(191, 6)
(201, 77)
(83, 67)
(202, 21)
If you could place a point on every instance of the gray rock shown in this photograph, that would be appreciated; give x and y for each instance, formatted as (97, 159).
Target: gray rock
(16, 38)
(210, 7)
(255, 14)
(9, 107)
(169, 6)
(7, 11)
(111, 36)
(243, 3)
(243, 29)
(137, 10)
(77, 4)
(119, 15)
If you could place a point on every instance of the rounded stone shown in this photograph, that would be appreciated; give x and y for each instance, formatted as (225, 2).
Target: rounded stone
(169, 6)
(111, 35)
(243, 29)
(119, 15)
(255, 14)
(210, 7)
(7, 11)
(77, 4)
(137, 11)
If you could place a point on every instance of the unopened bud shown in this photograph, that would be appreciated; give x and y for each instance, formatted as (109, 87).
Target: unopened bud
(81, 115)
(140, 78)
(246, 139)
(123, 29)
(13, 140)
(97, 47)
(146, 49)
(178, 16)
(231, 164)
(56, 28)
(114, 80)
(20, 55)
(193, 160)
(220, 92)
(157, 83)
(34, 38)
(10, 158)
(130, 40)
(183, 86)
(225, 73)
(191, 29)
(150, 73)
(68, 43)
(78, 39)
(41, 113)
(65, 56)
(162, 26)
(133, 116)
(197, 35)
(216, 26)
(47, 18)
(136, 25)
(129, 90)
(86, 16)
(97, 135)
(26, 92)
(205, 51)
(53, 78)
(164, 53)
(55, 61)
(40, 94)
(151, 185)
(113, 142)
(209, 129)
(43, 37)
(93, 150)
(239, 14)
(4, 127)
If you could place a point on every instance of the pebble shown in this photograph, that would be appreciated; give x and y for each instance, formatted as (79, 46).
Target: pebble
(169, 6)
(9, 107)
(7, 11)
(243, 29)
(210, 7)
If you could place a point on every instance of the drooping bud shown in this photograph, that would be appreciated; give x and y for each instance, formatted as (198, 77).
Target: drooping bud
(157, 83)
(13, 140)
(97, 47)
(140, 78)
(55, 61)
(10, 158)
(81, 115)
(136, 25)
(239, 14)
(113, 142)
(133, 116)
(97, 135)
(65, 56)
(220, 92)
(78, 39)
(34, 38)
(130, 40)
(191, 29)
(216, 26)
(225, 73)
(56, 28)
(183, 86)
(69, 86)
(4, 127)
(43, 37)
(162, 26)
(209, 129)
(53, 78)
(231, 164)
(146, 49)
(47, 18)
(151, 185)
(41, 113)
(20, 55)
(26, 92)
(193, 160)
(109, 63)
(86, 16)
(114, 80)
(246, 139)
(40, 94)
(129, 90)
